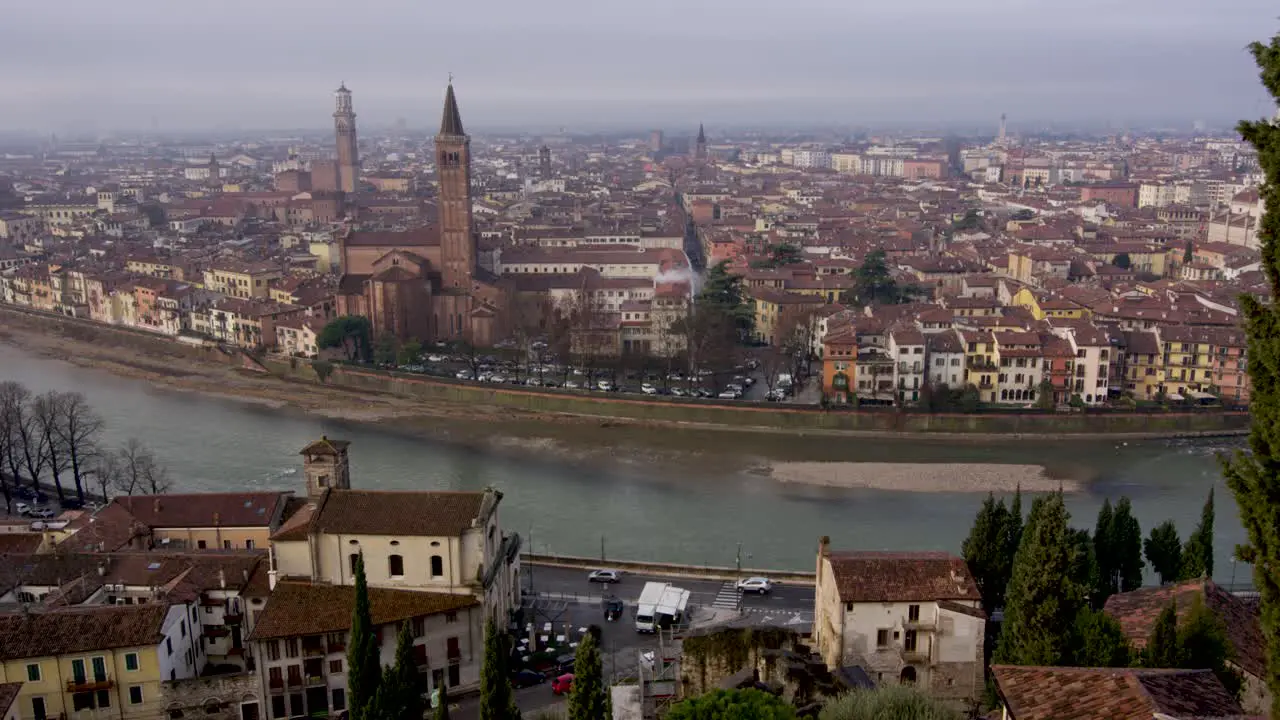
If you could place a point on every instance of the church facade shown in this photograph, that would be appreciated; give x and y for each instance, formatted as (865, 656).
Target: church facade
(425, 283)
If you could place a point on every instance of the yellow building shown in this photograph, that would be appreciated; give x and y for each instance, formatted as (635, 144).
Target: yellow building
(207, 521)
(775, 309)
(981, 362)
(1144, 364)
(1188, 359)
(1046, 307)
(101, 661)
(242, 280)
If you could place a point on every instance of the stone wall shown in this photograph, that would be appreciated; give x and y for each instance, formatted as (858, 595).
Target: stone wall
(219, 697)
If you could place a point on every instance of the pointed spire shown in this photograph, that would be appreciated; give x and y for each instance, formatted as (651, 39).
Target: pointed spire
(451, 121)
(702, 135)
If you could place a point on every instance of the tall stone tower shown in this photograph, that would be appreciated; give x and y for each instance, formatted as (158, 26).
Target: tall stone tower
(544, 161)
(700, 149)
(453, 168)
(344, 127)
(324, 462)
(1000, 138)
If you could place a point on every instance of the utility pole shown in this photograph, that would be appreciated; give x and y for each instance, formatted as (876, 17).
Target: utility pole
(602, 547)
(738, 561)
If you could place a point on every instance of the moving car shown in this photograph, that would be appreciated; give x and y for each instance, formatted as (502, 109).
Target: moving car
(527, 678)
(604, 576)
(612, 609)
(758, 585)
(563, 684)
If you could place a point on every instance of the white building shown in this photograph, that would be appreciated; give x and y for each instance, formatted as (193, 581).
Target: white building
(904, 617)
(906, 347)
(811, 159)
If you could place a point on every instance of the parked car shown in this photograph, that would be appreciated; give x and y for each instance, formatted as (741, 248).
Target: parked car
(21, 508)
(563, 684)
(775, 395)
(465, 375)
(571, 385)
(678, 392)
(564, 663)
(648, 389)
(43, 513)
(606, 386)
(604, 576)
(729, 395)
(527, 678)
(758, 585)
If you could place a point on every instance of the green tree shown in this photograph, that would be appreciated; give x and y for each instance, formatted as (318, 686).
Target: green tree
(400, 692)
(1162, 647)
(442, 702)
(987, 552)
(1044, 395)
(1126, 547)
(385, 349)
(364, 669)
(1122, 261)
(1105, 585)
(1203, 643)
(889, 702)
(1043, 596)
(724, 294)
(496, 700)
(970, 399)
(589, 697)
(781, 254)
(1084, 570)
(1013, 527)
(748, 704)
(874, 284)
(1164, 551)
(1197, 554)
(1255, 477)
(1189, 254)
(409, 352)
(352, 333)
(1098, 641)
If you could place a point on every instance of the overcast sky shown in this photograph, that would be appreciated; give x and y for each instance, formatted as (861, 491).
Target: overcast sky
(274, 63)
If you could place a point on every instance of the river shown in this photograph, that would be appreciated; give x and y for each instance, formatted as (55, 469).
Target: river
(675, 496)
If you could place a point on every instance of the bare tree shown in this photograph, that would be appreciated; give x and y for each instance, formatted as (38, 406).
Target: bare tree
(106, 474)
(46, 409)
(139, 470)
(78, 428)
(11, 400)
(29, 439)
(772, 362)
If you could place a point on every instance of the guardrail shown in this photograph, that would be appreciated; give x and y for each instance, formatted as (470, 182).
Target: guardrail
(706, 572)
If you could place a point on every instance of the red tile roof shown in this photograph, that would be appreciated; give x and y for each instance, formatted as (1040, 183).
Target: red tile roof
(73, 630)
(300, 608)
(1055, 693)
(901, 577)
(247, 509)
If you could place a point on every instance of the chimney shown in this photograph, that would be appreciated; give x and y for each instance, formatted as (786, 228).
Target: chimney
(222, 578)
(217, 518)
(102, 569)
(155, 506)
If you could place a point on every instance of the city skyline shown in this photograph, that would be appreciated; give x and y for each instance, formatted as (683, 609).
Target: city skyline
(921, 60)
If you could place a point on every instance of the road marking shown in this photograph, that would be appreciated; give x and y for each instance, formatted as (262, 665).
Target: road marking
(728, 598)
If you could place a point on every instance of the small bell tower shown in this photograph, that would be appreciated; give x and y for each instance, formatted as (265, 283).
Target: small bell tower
(324, 462)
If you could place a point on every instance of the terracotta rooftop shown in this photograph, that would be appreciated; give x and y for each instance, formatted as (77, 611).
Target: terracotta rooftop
(397, 512)
(301, 608)
(901, 577)
(1137, 611)
(68, 631)
(248, 509)
(1055, 693)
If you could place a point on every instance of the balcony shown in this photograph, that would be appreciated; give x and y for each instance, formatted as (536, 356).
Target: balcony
(916, 657)
(276, 685)
(337, 647)
(979, 364)
(233, 618)
(294, 681)
(97, 682)
(313, 649)
(920, 624)
(235, 651)
(216, 631)
(315, 680)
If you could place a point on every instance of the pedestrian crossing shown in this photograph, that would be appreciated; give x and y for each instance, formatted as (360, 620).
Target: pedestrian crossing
(728, 598)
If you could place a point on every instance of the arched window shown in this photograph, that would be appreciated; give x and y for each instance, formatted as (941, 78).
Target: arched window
(908, 676)
(437, 566)
(395, 565)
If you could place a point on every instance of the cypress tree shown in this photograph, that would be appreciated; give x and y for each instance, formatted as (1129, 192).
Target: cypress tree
(1043, 597)
(589, 698)
(986, 552)
(1203, 643)
(401, 690)
(1197, 554)
(1164, 551)
(1103, 551)
(442, 700)
(1255, 477)
(1099, 641)
(1162, 648)
(496, 700)
(364, 669)
(1126, 547)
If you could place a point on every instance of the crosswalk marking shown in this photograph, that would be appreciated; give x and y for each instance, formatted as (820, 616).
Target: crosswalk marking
(728, 598)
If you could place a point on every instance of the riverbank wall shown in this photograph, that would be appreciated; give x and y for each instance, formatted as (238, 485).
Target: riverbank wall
(673, 570)
(709, 414)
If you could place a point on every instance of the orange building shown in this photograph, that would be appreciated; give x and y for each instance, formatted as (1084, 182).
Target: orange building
(839, 358)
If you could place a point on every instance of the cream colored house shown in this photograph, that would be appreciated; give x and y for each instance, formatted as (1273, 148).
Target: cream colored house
(903, 617)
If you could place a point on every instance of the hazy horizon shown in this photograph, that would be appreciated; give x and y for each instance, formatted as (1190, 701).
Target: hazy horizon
(81, 66)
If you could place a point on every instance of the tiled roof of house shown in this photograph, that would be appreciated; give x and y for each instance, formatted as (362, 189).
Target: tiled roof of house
(245, 509)
(398, 512)
(81, 629)
(901, 577)
(1137, 611)
(1055, 693)
(301, 608)
(8, 696)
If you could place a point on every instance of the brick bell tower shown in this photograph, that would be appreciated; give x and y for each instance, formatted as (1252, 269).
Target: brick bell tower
(344, 127)
(453, 168)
